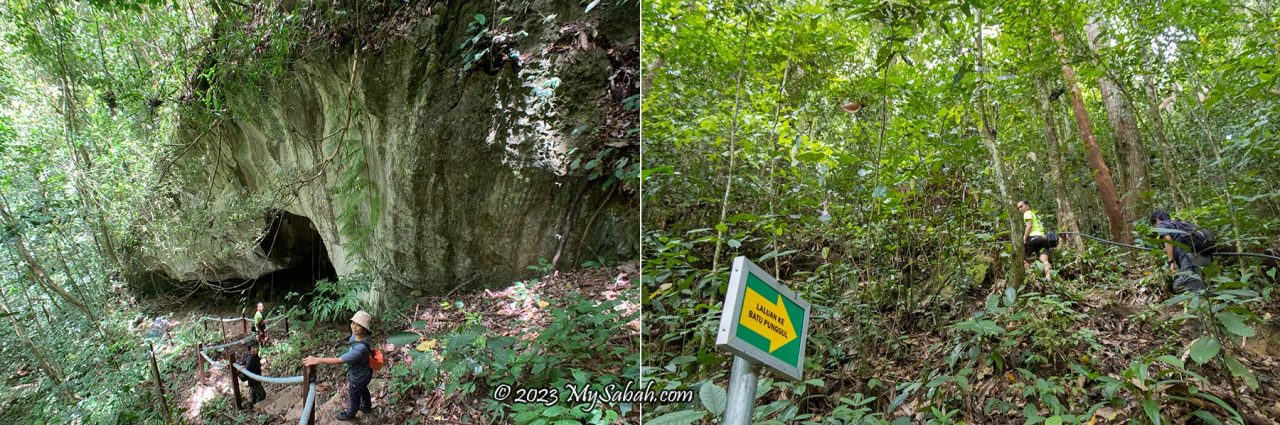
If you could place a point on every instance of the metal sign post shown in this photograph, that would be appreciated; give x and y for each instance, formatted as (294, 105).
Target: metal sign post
(762, 323)
(742, 392)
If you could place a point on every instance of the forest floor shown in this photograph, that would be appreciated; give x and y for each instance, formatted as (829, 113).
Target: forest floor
(508, 311)
(1128, 325)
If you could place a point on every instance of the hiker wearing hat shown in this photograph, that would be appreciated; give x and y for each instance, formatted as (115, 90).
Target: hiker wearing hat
(359, 373)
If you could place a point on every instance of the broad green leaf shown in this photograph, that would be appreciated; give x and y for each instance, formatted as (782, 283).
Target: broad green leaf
(1235, 324)
(1207, 417)
(1240, 371)
(713, 398)
(1153, 411)
(403, 338)
(1172, 361)
(1204, 349)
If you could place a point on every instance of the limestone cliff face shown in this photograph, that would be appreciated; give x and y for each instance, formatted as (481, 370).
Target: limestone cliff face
(426, 175)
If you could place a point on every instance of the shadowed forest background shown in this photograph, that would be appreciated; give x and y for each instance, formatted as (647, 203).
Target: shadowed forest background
(869, 155)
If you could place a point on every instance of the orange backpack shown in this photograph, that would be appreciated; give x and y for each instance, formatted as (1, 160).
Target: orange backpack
(375, 357)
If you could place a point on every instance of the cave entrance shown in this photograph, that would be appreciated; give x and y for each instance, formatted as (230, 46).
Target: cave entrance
(293, 241)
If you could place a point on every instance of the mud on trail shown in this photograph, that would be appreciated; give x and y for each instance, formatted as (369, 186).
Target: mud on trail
(519, 311)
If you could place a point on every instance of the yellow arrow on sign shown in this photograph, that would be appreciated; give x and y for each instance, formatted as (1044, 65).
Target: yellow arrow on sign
(767, 319)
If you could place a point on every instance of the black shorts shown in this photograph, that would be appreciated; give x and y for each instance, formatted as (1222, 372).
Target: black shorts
(1035, 244)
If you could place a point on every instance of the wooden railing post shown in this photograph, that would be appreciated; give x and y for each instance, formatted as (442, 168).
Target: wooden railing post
(311, 373)
(286, 326)
(200, 361)
(235, 378)
(155, 373)
(206, 324)
(223, 325)
(244, 323)
(306, 383)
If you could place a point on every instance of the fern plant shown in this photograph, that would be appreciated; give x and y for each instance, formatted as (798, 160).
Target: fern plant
(334, 300)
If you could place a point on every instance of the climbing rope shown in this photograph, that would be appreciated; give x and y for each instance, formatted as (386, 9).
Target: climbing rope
(237, 319)
(1145, 248)
(1215, 254)
(1106, 241)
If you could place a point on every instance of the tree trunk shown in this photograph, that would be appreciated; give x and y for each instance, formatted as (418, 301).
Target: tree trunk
(733, 151)
(48, 368)
(1101, 173)
(1066, 215)
(986, 133)
(38, 271)
(1166, 151)
(1129, 149)
(32, 307)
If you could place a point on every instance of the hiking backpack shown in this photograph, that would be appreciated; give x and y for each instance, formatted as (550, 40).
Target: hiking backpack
(375, 357)
(1199, 240)
(1052, 238)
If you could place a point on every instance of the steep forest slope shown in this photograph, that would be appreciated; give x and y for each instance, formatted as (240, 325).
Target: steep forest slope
(871, 156)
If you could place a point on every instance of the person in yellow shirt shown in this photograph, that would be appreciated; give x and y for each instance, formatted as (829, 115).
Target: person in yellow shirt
(1034, 240)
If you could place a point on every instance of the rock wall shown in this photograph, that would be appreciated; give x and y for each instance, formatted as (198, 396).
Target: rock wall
(445, 177)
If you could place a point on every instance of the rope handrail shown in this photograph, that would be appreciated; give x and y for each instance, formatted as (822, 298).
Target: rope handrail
(212, 361)
(286, 380)
(1215, 254)
(242, 340)
(218, 319)
(277, 318)
(308, 406)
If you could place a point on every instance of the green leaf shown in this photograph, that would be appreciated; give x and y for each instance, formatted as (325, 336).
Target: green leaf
(981, 327)
(1242, 372)
(553, 411)
(1235, 324)
(713, 398)
(683, 417)
(1223, 404)
(526, 416)
(1055, 420)
(480, 19)
(1204, 349)
(1207, 417)
(1172, 361)
(403, 338)
(772, 254)
(1153, 411)
(668, 170)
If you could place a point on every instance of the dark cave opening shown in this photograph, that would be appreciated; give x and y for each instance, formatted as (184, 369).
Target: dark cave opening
(293, 241)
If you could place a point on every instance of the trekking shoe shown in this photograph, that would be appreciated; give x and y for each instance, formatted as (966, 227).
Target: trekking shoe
(343, 416)
(367, 410)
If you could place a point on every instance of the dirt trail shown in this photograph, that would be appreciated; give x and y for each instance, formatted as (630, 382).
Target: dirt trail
(510, 311)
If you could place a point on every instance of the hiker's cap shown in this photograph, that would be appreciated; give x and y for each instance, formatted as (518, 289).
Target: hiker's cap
(363, 319)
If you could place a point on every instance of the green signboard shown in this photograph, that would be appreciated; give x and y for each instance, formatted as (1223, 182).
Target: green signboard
(763, 321)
